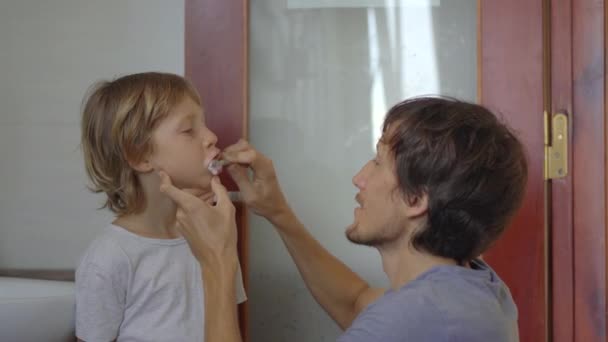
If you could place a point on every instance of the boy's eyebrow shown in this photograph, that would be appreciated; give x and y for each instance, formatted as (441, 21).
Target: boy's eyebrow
(187, 117)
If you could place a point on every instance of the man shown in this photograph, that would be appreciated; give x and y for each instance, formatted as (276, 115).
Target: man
(446, 180)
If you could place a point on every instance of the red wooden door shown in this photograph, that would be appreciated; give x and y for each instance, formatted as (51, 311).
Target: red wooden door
(549, 55)
(216, 62)
(579, 202)
(511, 82)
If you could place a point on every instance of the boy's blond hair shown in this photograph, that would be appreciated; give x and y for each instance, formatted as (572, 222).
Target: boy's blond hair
(117, 123)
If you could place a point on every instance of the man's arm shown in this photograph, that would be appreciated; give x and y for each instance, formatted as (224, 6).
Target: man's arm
(340, 291)
(211, 234)
(221, 319)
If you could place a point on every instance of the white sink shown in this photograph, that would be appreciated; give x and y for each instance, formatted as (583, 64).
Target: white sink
(36, 310)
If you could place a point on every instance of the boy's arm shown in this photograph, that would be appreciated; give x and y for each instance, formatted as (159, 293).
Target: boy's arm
(99, 302)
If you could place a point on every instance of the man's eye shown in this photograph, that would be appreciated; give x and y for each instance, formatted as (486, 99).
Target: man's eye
(188, 131)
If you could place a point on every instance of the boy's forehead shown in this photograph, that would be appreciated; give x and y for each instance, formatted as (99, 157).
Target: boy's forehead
(188, 110)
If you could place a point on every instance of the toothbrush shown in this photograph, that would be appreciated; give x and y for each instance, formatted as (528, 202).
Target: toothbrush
(215, 167)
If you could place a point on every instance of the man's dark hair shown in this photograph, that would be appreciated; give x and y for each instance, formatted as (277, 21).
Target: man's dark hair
(471, 166)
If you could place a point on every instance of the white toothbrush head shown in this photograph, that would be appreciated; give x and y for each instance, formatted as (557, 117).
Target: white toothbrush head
(216, 166)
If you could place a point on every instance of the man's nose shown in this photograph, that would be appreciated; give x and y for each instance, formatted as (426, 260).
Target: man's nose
(359, 180)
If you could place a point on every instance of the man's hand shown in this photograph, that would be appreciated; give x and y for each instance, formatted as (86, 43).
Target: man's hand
(261, 192)
(209, 229)
(211, 233)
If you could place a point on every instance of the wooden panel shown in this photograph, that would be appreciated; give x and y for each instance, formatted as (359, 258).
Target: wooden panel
(511, 44)
(216, 62)
(61, 275)
(562, 267)
(589, 174)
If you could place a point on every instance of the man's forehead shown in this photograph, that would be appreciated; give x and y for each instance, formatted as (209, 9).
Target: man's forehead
(387, 134)
(382, 143)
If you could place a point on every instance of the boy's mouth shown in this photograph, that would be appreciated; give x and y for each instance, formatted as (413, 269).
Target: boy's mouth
(216, 166)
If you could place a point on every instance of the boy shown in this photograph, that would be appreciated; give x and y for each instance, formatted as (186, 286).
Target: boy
(138, 281)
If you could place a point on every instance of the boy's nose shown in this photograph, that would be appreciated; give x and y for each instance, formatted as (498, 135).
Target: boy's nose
(209, 138)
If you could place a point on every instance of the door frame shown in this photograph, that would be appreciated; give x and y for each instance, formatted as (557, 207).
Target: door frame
(216, 60)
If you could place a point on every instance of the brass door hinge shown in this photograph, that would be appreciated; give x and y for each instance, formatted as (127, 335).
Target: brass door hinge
(556, 145)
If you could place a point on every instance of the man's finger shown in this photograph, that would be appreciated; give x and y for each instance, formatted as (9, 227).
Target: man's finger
(240, 176)
(262, 166)
(259, 163)
(220, 192)
(246, 156)
(238, 146)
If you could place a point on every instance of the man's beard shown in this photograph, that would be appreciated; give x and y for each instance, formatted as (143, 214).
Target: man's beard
(385, 236)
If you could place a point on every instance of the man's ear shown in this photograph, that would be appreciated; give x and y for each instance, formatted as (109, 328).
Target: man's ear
(416, 206)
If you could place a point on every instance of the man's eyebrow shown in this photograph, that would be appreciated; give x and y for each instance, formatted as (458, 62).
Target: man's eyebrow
(381, 142)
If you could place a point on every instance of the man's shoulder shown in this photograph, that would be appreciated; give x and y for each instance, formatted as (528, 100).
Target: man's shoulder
(416, 298)
(445, 303)
(406, 314)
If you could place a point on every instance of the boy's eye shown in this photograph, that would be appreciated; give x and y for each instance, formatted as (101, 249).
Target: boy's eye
(188, 131)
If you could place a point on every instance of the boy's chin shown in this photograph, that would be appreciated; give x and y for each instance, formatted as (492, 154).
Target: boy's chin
(197, 187)
(202, 183)
(206, 196)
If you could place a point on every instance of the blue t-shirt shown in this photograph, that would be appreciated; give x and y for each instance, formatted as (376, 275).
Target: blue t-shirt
(446, 303)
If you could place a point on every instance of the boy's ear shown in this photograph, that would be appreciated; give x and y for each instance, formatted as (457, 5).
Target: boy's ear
(141, 165)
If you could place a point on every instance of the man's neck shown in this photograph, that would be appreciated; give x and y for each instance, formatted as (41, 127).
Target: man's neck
(402, 263)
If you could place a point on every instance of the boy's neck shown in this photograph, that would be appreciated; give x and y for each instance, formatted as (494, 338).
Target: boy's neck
(156, 220)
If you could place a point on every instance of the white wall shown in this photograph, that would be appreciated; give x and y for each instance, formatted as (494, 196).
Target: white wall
(321, 81)
(50, 53)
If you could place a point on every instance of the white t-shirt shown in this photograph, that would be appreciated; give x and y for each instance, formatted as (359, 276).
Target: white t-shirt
(131, 288)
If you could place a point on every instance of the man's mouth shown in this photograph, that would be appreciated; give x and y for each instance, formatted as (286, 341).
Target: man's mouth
(358, 200)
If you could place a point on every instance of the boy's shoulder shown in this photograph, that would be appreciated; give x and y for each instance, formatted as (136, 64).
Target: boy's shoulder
(106, 252)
